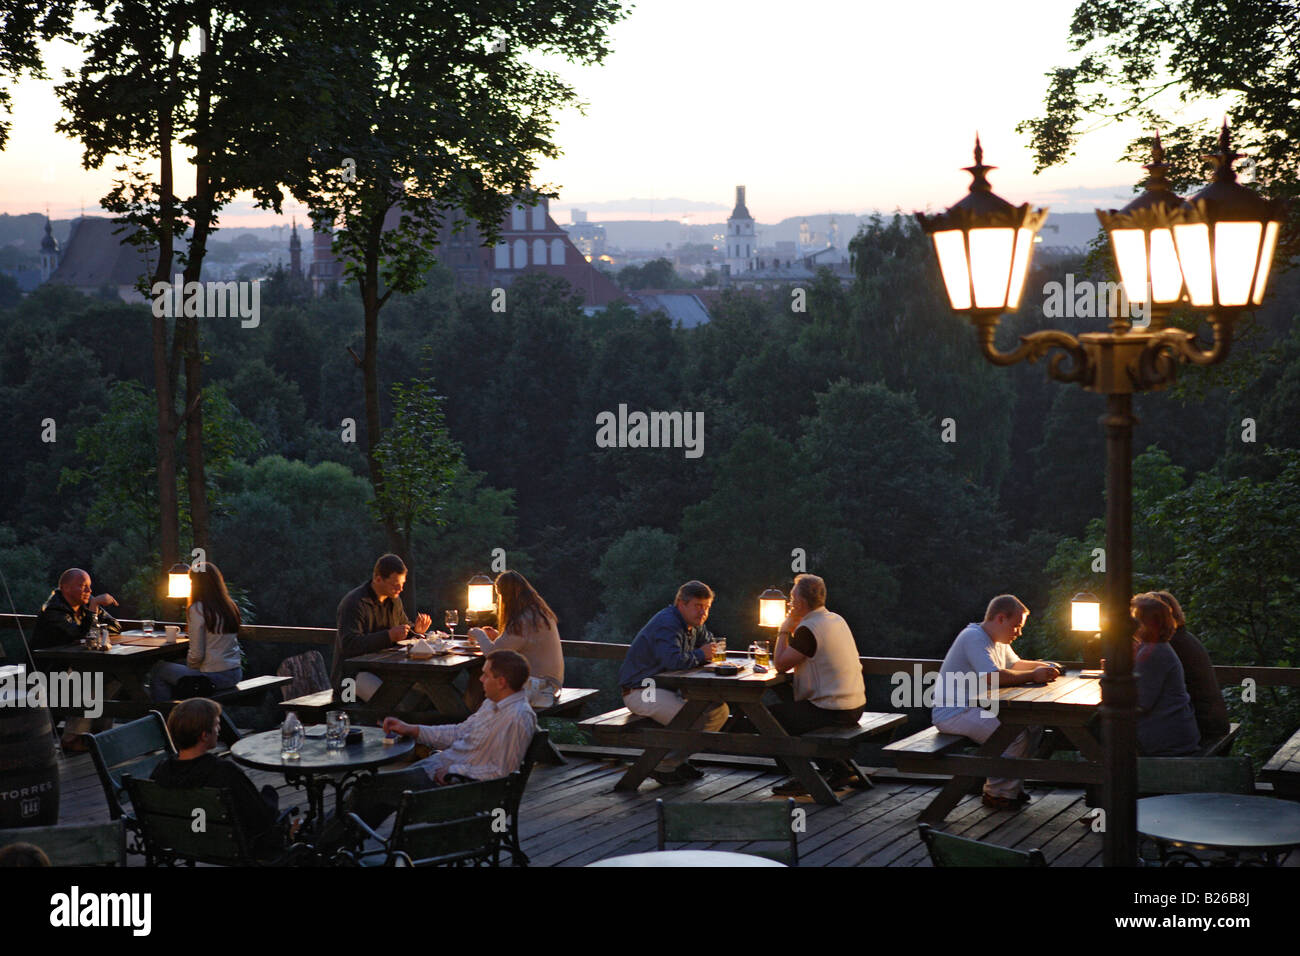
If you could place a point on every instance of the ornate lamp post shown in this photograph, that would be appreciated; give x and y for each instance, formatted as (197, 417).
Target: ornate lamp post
(1223, 240)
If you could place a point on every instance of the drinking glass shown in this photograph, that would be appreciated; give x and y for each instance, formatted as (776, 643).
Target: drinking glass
(762, 656)
(452, 618)
(719, 650)
(336, 729)
(147, 627)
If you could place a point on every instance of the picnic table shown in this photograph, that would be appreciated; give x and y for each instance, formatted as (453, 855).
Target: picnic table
(743, 693)
(1066, 704)
(400, 673)
(128, 661)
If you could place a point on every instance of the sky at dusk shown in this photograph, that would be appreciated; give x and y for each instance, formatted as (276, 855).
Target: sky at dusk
(817, 106)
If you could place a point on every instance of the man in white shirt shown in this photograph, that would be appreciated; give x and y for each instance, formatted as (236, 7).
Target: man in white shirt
(491, 743)
(980, 655)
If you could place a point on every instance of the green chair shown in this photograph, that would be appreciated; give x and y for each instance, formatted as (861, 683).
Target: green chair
(133, 748)
(948, 849)
(169, 822)
(457, 825)
(732, 822)
(539, 751)
(1195, 775)
(75, 844)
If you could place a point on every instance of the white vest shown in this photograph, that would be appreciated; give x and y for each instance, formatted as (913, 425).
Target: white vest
(831, 678)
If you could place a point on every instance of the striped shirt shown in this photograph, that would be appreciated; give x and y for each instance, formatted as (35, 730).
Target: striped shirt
(490, 744)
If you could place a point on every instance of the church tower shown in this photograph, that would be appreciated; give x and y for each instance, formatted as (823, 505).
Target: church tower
(295, 251)
(49, 252)
(742, 241)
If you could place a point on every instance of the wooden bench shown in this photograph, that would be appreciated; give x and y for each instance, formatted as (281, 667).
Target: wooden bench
(911, 753)
(1283, 768)
(311, 708)
(247, 689)
(570, 702)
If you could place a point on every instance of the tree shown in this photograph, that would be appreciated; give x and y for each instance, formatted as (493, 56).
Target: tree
(1143, 59)
(434, 106)
(419, 460)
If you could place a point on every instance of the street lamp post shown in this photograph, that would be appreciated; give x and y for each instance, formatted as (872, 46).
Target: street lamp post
(1213, 250)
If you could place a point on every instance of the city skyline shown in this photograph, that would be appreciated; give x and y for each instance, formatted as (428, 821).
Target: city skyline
(778, 106)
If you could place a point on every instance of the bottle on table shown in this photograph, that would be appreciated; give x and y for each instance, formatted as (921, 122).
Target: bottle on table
(291, 737)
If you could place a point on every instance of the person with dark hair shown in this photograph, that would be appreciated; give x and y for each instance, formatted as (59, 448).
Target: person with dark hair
(817, 645)
(1198, 670)
(66, 617)
(1166, 725)
(490, 743)
(674, 639)
(195, 726)
(213, 650)
(526, 624)
(982, 653)
(371, 618)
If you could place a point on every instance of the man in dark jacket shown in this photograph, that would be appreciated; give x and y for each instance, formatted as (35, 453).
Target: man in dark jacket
(195, 726)
(371, 618)
(65, 618)
(1198, 674)
(69, 612)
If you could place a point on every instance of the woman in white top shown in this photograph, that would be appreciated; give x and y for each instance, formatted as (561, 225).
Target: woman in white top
(527, 626)
(214, 621)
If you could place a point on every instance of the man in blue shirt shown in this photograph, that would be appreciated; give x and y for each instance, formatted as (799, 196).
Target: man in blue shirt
(675, 639)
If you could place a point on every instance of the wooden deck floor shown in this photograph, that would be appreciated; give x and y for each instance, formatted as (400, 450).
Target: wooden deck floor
(571, 815)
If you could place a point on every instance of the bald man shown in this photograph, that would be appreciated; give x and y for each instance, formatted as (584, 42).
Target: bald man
(65, 618)
(69, 612)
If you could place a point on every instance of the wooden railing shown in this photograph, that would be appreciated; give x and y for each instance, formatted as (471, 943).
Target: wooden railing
(323, 638)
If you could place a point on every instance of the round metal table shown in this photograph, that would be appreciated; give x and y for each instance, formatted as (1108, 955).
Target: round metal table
(687, 858)
(315, 768)
(1233, 823)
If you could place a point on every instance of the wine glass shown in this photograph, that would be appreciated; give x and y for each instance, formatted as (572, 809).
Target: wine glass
(452, 618)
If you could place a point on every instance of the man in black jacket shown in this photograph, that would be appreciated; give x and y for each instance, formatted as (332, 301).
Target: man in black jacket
(371, 618)
(69, 612)
(66, 616)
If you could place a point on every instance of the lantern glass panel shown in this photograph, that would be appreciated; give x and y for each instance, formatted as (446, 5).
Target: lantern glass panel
(771, 612)
(1020, 266)
(178, 585)
(1265, 262)
(1236, 251)
(479, 599)
(1193, 241)
(1166, 274)
(1085, 616)
(950, 246)
(1131, 257)
(991, 253)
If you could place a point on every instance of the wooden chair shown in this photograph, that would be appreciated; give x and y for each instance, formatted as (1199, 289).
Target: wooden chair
(731, 822)
(442, 826)
(75, 844)
(133, 748)
(948, 849)
(168, 820)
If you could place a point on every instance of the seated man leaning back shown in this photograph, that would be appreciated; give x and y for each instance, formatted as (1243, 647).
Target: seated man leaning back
(674, 639)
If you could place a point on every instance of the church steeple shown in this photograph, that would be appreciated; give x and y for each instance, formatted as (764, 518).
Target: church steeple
(742, 239)
(49, 251)
(295, 250)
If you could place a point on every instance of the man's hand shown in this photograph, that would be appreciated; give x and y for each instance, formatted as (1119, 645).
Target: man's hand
(792, 620)
(422, 622)
(440, 776)
(392, 725)
(709, 649)
(1044, 674)
(102, 600)
(397, 632)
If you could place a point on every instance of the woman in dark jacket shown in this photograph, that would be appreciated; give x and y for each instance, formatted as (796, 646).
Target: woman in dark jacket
(1166, 725)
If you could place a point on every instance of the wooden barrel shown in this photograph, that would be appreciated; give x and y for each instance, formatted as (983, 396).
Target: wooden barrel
(29, 769)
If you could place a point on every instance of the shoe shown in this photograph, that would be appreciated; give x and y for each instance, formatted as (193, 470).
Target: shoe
(790, 788)
(669, 778)
(689, 771)
(75, 745)
(842, 780)
(1004, 803)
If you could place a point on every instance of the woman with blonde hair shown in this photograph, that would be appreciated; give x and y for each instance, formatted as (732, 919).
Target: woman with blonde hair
(525, 624)
(1166, 724)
